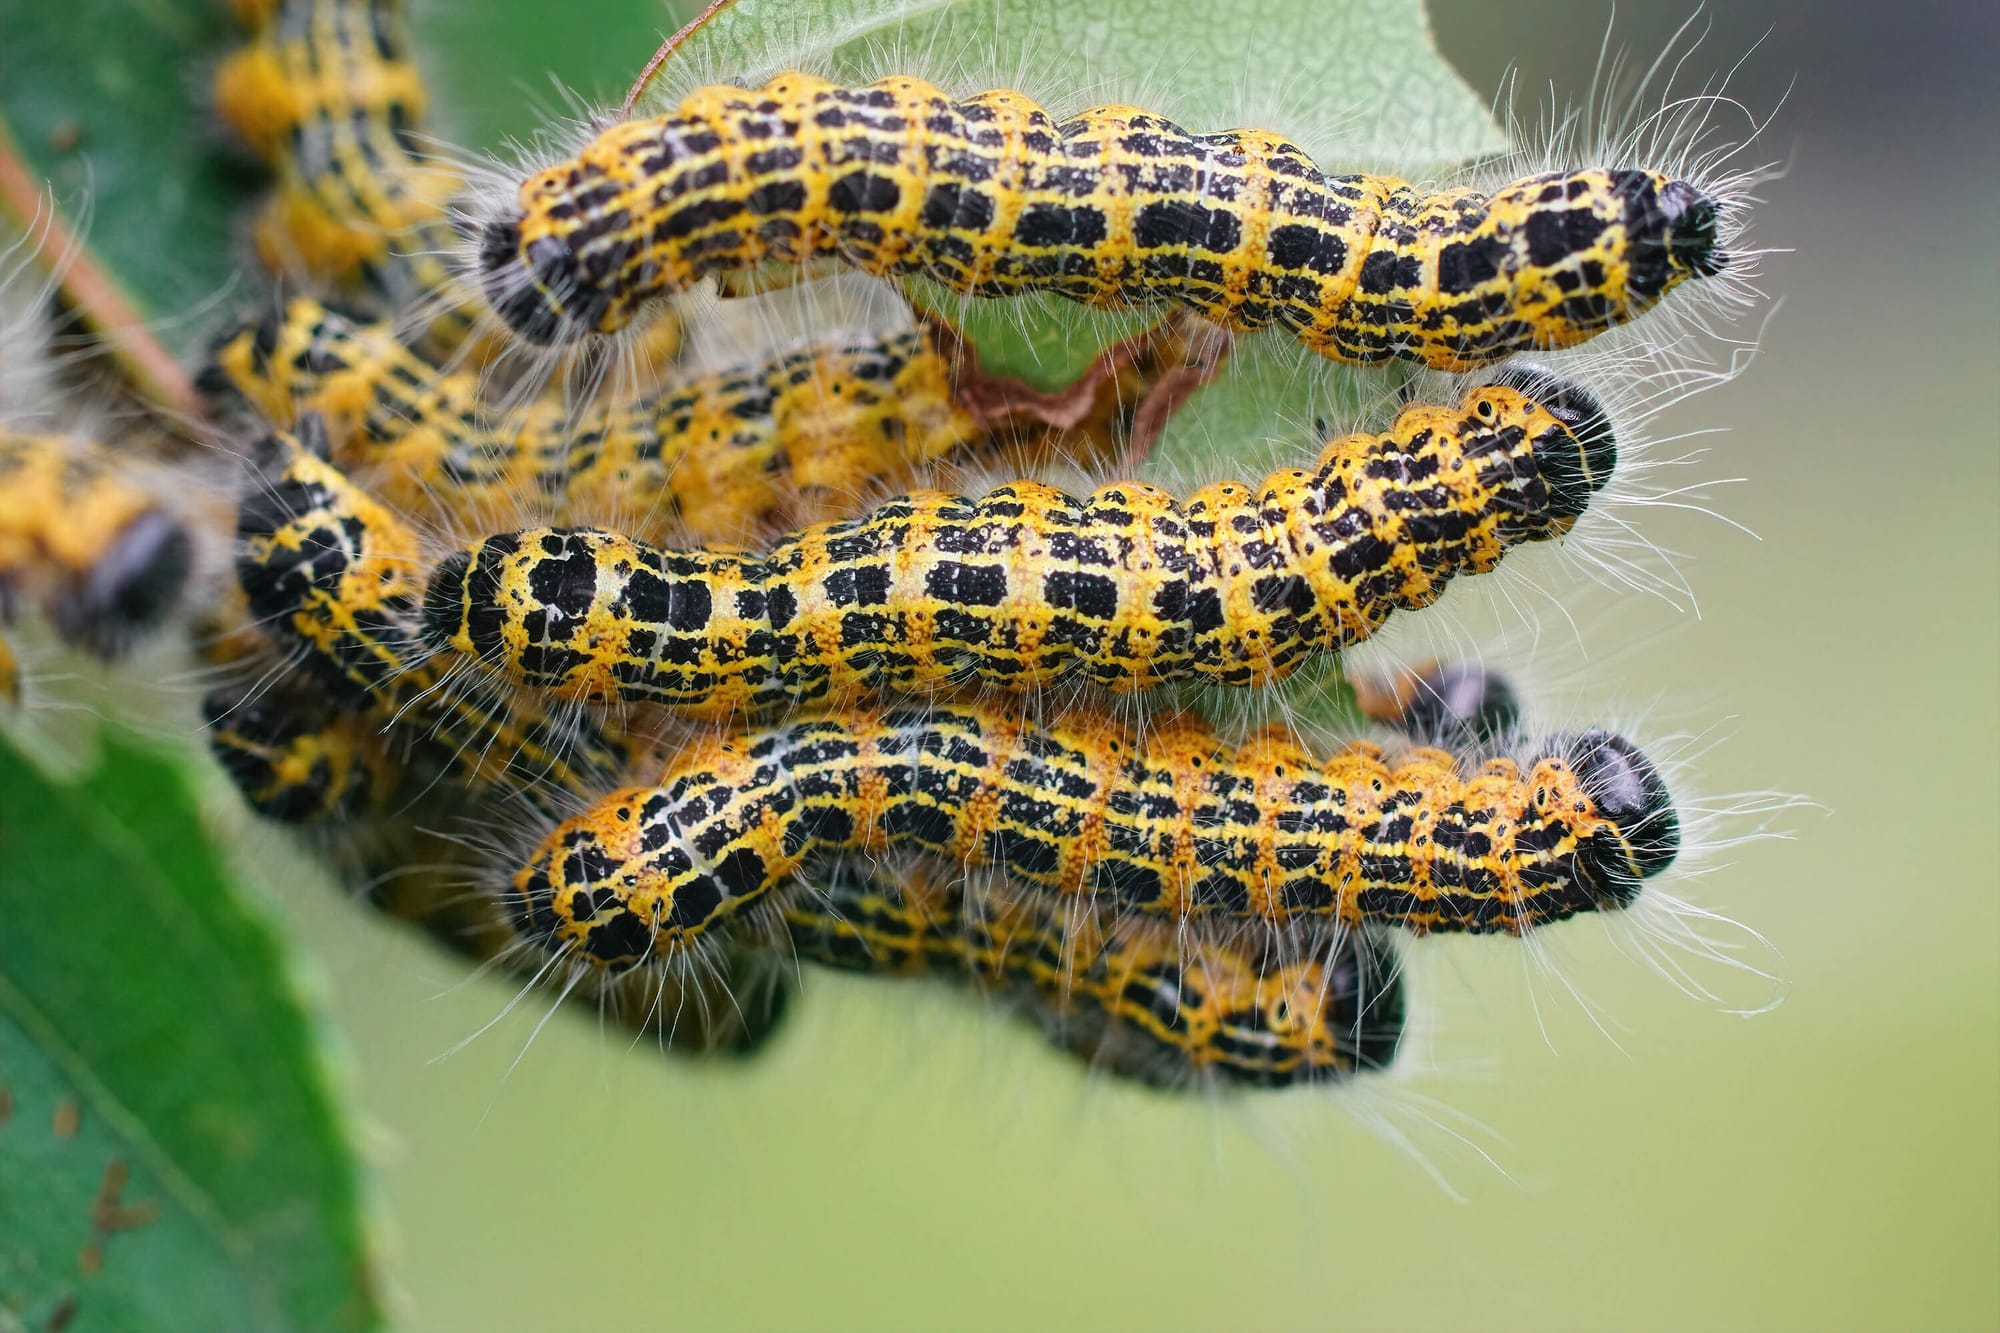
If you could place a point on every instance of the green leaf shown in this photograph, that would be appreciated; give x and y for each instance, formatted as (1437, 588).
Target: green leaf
(105, 104)
(150, 1029)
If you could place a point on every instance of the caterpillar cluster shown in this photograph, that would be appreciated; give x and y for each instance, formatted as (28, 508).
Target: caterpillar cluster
(991, 195)
(737, 663)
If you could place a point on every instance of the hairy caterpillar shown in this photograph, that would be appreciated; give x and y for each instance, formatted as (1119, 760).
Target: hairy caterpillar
(1142, 998)
(751, 449)
(1174, 824)
(329, 92)
(1028, 586)
(310, 59)
(331, 574)
(1447, 704)
(992, 196)
(297, 764)
(102, 556)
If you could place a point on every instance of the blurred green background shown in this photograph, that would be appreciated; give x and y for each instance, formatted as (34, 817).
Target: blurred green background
(903, 1158)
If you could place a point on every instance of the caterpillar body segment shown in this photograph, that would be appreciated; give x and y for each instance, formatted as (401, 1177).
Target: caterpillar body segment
(1174, 824)
(1138, 997)
(298, 764)
(718, 455)
(331, 576)
(1027, 586)
(100, 554)
(993, 196)
(309, 59)
(329, 92)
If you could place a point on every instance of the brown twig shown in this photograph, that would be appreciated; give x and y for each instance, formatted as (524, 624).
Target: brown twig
(93, 294)
(666, 49)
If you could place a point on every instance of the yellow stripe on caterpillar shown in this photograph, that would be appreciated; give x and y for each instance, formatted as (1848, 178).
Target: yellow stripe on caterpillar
(1143, 998)
(1174, 823)
(992, 196)
(1028, 586)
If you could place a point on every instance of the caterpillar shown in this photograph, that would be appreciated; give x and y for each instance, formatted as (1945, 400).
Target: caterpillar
(311, 59)
(751, 449)
(319, 570)
(331, 573)
(992, 196)
(1028, 585)
(329, 92)
(295, 763)
(1451, 704)
(104, 558)
(1141, 998)
(1173, 824)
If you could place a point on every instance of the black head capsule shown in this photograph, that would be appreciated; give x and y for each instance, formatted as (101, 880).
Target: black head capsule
(538, 292)
(131, 588)
(1367, 975)
(1671, 234)
(1455, 704)
(1692, 222)
(1627, 789)
(1572, 474)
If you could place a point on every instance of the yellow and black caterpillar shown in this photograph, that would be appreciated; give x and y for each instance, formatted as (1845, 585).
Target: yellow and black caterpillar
(1127, 588)
(992, 196)
(1142, 998)
(750, 450)
(328, 91)
(99, 553)
(331, 577)
(1173, 824)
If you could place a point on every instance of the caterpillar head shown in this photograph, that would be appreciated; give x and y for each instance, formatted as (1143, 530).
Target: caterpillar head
(1577, 461)
(618, 886)
(1642, 832)
(131, 588)
(1364, 986)
(1673, 234)
(1455, 704)
(537, 287)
